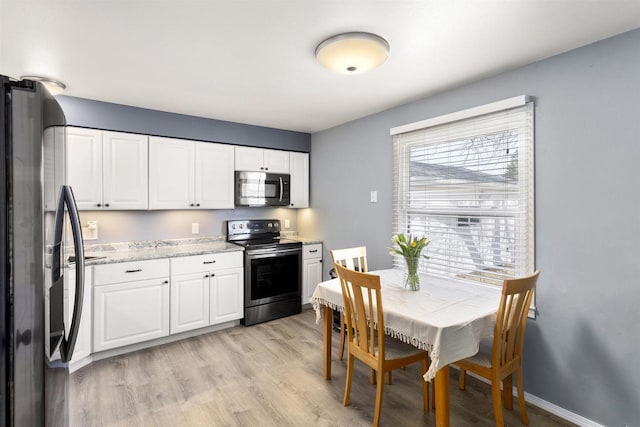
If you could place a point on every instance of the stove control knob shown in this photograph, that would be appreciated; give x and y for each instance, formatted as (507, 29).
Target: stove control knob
(241, 226)
(269, 225)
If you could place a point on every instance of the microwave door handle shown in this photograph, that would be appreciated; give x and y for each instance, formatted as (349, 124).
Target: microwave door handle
(67, 346)
(281, 188)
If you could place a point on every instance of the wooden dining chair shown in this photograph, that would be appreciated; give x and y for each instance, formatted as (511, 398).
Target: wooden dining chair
(501, 357)
(353, 259)
(366, 337)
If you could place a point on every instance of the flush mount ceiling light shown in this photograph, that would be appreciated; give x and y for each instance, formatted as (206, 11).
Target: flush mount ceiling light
(352, 53)
(53, 86)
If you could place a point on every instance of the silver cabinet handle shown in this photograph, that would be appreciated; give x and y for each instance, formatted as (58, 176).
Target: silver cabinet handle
(208, 262)
(313, 251)
(133, 271)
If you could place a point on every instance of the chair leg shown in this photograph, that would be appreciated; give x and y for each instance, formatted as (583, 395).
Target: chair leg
(372, 376)
(343, 337)
(425, 387)
(347, 386)
(507, 392)
(378, 407)
(521, 402)
(389, 378)
(462, 380)
(497, 400)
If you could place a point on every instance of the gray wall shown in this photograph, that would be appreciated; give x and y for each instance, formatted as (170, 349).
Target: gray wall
(128, 226)
(583, 348)
(104, 115)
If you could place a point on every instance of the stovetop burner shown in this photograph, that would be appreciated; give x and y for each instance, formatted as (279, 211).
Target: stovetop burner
(258, 233)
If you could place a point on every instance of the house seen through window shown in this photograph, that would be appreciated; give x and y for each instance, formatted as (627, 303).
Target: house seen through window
(468, 186)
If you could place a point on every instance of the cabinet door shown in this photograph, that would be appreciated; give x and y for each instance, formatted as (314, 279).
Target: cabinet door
(312, 275)
(171, 174)
(249, 159)
(189, 302)
(299, 180)
(226, 295)
(214, 176)
(125, 170)
(131, 312)
(276, 161)
(83, 152)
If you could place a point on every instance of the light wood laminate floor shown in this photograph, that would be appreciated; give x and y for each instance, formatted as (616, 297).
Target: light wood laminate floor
(263, 375)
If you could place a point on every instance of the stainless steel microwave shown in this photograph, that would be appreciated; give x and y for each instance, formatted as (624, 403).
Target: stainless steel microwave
(262, 189)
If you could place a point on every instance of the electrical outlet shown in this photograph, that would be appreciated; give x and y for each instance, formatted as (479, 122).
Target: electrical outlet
(287, 223)
(195, 228)
(90, 232)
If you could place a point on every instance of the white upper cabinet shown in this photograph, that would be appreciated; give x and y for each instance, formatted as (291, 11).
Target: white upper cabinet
(125, 171)
(83, 153)
(190, 175)
(171, 173)
(299, 180)
(214, 176)
(276, 161)
(262, 160)
(107, 170)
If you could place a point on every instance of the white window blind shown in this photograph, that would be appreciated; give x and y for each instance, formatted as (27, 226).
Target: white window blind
(468, 186)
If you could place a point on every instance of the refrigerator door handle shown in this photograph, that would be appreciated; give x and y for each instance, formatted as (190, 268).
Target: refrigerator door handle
(66, 198)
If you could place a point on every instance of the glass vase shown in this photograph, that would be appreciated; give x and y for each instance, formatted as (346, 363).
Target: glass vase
(412, 278)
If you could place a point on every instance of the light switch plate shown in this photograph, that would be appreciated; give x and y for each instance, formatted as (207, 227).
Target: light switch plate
(195, 228)
(374, 196)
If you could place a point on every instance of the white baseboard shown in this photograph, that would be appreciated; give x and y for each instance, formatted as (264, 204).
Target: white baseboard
(556, 410)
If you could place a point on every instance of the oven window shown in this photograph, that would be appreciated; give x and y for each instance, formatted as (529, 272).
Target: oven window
(274, 276)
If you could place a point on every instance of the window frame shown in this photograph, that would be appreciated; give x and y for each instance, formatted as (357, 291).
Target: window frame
(402, 180)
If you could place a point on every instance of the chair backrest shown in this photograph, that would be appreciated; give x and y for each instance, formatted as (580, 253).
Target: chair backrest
(352, 258)
(508, 336)
(363, 303)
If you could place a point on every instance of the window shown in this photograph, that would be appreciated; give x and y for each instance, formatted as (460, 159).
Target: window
(465, 181)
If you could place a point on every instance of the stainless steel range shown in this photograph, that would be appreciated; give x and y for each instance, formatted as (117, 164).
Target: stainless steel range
(272, 270)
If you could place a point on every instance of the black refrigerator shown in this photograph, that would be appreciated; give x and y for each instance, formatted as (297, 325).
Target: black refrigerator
(36, 340)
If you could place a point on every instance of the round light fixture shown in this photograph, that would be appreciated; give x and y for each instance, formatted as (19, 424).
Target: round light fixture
(352, 53)
(53, 86)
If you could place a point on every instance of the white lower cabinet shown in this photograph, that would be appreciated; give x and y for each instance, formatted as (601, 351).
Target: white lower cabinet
(131, 303)
(189, 302)
(206, 290)
(311, 270)
(226, 295)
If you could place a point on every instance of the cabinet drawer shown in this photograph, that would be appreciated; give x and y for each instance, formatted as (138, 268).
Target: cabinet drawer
(130, 271)
(312, 251)
(209, 262)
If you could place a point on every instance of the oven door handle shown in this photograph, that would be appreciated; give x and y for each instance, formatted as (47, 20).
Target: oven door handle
(271, 253)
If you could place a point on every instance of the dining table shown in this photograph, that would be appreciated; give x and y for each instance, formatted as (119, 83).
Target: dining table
(445, 317)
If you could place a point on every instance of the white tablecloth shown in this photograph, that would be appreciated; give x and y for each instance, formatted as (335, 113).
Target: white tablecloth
(446, 318)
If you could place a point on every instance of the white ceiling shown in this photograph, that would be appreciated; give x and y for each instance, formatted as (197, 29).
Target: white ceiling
(253, 61)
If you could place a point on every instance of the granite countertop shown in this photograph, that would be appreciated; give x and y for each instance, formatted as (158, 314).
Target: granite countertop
(292, 235)
(155, 249)
(112, 253)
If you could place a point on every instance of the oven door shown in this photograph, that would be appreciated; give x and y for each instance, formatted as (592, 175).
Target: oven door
(261, 189)
(272, 275)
